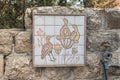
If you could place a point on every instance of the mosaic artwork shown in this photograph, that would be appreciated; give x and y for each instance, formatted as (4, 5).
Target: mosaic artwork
(58, 40)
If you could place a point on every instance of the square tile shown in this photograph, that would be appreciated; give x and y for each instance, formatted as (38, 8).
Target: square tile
(59, 20)
(71, 19)
(57, 30)
(49, 20)
(79, 20)
(39, 61)
(81, 30)
(70, 60)
(49, 30)
(50, 60)
(38, 20)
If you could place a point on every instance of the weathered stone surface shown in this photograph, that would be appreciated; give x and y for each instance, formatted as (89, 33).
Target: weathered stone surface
(18, 68)
(93, 59)
(1, 65)
(113, 18)
(57, 10)
(5, 37)
(22, 42)
(57, 74)
(95, 39)
(115, 12)
(114, 78)
(95, 19)
(86, 73)
(5, 49)
(28, 15)
(114, 70)
(116, 57)
(115, 63)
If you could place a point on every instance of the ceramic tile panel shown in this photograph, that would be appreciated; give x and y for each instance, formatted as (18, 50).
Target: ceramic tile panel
(58, 40)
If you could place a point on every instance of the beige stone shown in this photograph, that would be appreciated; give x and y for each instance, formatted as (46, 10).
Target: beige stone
(5, 49)
(1, 65)
(28, 16)
(57, 74)
(6, 35)
(22, 42)
(18, 68)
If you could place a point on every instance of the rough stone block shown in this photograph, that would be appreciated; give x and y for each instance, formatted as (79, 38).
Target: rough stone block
(93, 59)
(1, 65)
(96, 39)
(95, 19)
(22, 42)
(57, 74)
(85, 72)
(5, 37)
(113, 18)
(5, 49)
(18, 68)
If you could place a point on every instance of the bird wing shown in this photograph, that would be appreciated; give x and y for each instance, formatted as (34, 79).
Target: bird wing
(45, 50)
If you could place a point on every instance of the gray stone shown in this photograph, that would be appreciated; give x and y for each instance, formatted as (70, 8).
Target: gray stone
(23, 43)
(116, 57)
(115, 12)
(93, 59)
(95, 19)
(96, 39)
(113, 18)
(86, 73)
(114, 78)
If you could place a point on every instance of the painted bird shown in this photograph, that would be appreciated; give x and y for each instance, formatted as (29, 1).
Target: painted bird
(47, 49)
(75, 35)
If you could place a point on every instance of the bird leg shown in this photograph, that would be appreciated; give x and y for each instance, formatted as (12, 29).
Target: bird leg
(51, 56)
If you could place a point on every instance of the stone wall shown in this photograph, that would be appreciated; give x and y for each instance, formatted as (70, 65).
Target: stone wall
(16, 51)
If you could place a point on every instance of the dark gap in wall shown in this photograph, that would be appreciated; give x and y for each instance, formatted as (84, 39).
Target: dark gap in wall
(13, 39)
